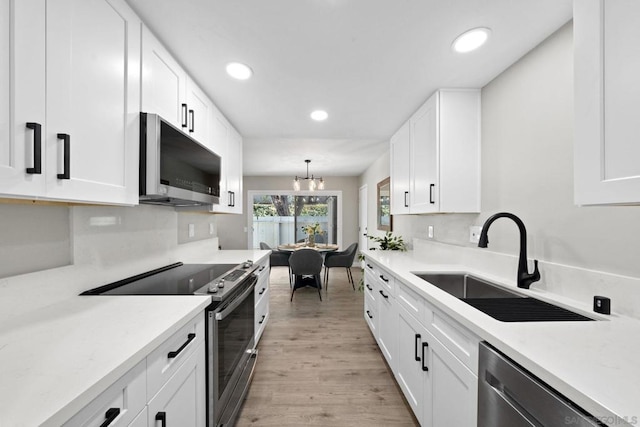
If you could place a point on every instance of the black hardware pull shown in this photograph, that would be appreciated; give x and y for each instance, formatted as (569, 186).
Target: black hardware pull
(262, 320)
(262, 268)
(110, 416)
(162, 416)
(262, 291)
(415, 351)
(184, 116)
(66, 140)
(173, 354)
(384, 278)
(385, 296)
(369, 314)
(37, 148)
(192, 117)
(406, 204)
(431, 187)
(369, 287)
(425, 345)
(370, 266)
(232, 198)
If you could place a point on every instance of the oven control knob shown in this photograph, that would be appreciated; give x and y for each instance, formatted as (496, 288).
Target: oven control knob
(221, 283)
(213, 288)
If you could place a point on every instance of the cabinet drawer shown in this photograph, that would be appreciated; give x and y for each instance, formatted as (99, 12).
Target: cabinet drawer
(411, 301)
(371, 311)
(261, 315)
(459, 341)
(122, 402)
(262, 289)
(163, 362)
(383, 277)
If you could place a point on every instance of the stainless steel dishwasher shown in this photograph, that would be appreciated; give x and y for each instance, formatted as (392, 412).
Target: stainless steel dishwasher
(509, 396)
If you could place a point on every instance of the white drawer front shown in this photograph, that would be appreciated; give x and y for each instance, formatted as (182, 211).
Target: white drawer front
(121, 402)
(459, 341)
(371, 311)
(160, 366)
(411, 301)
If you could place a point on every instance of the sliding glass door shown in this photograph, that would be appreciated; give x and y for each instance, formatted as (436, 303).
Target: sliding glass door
(279, 218)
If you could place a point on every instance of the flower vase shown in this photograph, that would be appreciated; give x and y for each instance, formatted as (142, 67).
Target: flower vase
(311, 240)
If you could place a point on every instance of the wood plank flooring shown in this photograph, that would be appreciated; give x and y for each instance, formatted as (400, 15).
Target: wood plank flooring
(319, 365)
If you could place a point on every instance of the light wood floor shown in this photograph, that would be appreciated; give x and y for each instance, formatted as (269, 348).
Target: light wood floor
(319, 365)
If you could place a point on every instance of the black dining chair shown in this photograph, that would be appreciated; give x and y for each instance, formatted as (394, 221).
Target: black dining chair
(306, 265)
(278, 258)
(340, 259)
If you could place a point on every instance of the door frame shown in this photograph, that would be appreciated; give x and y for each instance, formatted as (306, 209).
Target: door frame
(363, 219)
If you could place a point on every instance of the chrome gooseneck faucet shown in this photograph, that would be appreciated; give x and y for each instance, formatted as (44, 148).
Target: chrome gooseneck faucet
(525, 279)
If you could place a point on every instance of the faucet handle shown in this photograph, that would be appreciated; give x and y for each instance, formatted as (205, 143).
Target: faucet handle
(535, 276)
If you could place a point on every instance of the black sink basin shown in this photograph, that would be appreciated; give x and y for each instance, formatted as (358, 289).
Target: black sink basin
(499, 303)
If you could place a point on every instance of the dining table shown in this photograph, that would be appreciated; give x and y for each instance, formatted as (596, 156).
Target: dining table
(320, 247)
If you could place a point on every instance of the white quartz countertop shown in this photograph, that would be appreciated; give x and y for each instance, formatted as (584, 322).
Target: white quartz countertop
(594, 364)
(56, 359)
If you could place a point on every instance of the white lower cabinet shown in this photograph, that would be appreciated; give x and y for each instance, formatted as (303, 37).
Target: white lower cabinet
(169, 384)
(262, 300)
(433, 358)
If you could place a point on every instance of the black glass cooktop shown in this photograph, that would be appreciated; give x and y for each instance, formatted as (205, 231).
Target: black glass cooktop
(176, 279)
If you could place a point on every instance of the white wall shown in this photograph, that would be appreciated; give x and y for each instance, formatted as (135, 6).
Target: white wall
(231, 228)
(378, 171)
(527, 169)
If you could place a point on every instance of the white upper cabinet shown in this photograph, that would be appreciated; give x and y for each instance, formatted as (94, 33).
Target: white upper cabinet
(22, 97)
(76, 61)
(199, 108)
(164, 82)
(435, 156)
(227, 143)
(607, 90)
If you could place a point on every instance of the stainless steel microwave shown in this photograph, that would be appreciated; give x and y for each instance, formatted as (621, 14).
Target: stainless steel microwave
(175, 169)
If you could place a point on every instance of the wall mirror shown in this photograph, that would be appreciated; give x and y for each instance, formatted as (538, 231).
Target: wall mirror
(384, 205)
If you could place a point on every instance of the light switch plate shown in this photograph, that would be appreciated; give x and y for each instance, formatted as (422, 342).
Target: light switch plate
(474, 233)
(192, 230)
(430, 231)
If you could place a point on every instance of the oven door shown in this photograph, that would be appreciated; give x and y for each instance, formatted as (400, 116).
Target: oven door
(231, 356)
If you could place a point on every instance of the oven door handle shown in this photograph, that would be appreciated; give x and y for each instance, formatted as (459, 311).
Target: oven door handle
(229, 309)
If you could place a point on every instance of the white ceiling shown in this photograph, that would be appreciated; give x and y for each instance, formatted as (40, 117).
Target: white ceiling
(369, 63)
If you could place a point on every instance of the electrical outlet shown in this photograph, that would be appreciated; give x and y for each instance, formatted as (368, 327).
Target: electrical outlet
(211, 229)
(430, 231)
(474, 233)
(192, 230)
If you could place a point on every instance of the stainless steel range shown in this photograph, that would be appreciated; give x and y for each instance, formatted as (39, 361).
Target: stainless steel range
(230, 333)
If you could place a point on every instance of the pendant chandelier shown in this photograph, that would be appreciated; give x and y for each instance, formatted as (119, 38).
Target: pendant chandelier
(313, 183)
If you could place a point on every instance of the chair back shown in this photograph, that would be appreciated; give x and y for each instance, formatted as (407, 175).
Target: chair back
(351, 251)
(305, 262)
(264, 246)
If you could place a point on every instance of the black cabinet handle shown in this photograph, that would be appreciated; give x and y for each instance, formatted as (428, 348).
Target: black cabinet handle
(425, 345)
(192, 117)
(369, 314)
(262, 320)
(184, 116)
(406, 204)
(110, 416)
(162, 416)
(262, 291)
(431, 187)
(173, 354)
(369, 287)
(66, 140)
(262, 268)
(384, 279)
(37, 148)
(415, 350)
(232, 198)
(370, 266)
(385, 296)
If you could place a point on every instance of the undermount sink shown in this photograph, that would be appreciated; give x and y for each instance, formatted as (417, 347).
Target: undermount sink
(497, 302)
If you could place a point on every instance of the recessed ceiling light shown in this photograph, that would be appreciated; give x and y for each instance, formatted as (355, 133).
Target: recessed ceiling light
(319, 115)
(471, 40)
(239, 71)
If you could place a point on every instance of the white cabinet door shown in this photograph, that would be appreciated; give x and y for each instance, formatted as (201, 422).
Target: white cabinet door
(424, 157)
(93, 54)
(387, 326)
(22, 96)
(400, 151)
(607, 90)
(181, 401)
(199, 108)
(234, 171)
(454, 389)
(164, 82)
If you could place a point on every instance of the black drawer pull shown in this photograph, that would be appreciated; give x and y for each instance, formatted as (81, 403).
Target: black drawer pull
(262, 320)
(406, 204)
(370, 266)
(415, 351)
(110, 416)
(424, 357)
(193, 126)
(369, 314)
(184, 116)
(262, 291)
(66, 140)
(37, 148)
(262, 268)
(431, 187)
(385, 296)
(162, 416)
(384, 279)
(369, 287)
(173, 354)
